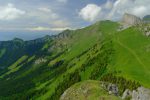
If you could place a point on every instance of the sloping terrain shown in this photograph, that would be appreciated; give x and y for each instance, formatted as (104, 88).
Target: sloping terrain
(132, 52)
(11, 51)
(97, 52)
(87, 90)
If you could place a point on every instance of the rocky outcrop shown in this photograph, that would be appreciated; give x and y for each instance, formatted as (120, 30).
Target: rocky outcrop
(63, 35)
(89, 90)
(111, 88)
(146, 30)
(61, 41)
(40, 60)
(130, 20)
(85, 89)
(140, 94)
(127, 94)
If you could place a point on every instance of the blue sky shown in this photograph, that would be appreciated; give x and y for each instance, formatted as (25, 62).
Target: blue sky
(29, 19)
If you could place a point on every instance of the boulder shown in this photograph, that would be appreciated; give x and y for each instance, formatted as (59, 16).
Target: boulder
(127, 93)
(141, 94)
(113, 89)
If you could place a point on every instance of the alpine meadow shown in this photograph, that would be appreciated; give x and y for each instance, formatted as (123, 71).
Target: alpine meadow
(75, 50)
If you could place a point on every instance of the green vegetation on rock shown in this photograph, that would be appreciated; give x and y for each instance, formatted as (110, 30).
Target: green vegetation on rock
(87, 90)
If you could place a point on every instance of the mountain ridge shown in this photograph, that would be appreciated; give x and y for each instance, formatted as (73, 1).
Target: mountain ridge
(48, 66)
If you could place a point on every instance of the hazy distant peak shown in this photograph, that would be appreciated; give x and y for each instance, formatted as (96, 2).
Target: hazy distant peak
(18, 40)
(146, 18)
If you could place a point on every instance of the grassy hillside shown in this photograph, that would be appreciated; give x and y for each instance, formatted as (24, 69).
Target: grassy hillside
(97, 52)
(131, 55)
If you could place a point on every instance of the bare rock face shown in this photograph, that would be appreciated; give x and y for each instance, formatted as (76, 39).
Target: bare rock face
(127, 93)
(130, 20)
(111, 88)
(140, 94)
(146, 30)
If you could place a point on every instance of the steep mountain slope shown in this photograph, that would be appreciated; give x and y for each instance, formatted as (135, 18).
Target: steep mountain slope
(12, 50)
(132, 52)
(97, 52)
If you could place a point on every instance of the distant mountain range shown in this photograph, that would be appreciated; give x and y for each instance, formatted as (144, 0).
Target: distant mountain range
(147, 18)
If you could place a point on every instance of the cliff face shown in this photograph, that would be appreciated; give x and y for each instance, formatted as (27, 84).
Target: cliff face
(129, 19)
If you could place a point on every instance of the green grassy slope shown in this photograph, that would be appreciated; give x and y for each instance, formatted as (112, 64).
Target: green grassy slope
(82, 40)
(2, 52)
(15, 66)
(97, 52)
(132, 55)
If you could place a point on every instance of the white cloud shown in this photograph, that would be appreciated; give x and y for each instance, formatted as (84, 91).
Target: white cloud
(45, 9)
(10, 12)
(62, 1)
(55, 25)
(136, 7)
(114, 10)
(60, 29)
(108, 5)
(139, 11)
(46, 12)
(41, 28)
(60, 23)
(119, 8)
(90, 13)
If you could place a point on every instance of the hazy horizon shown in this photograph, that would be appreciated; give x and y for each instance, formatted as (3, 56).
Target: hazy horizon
(53, 16)
(24, 35)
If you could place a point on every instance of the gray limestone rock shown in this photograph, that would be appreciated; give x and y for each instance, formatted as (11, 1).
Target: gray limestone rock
(130, 20)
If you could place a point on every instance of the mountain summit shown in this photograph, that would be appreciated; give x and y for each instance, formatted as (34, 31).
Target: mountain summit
(129, 19)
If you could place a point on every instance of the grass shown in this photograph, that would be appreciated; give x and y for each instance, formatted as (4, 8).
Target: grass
(15, 67)
(2, 52)
(19, 61)
(87, 90)
(131, 57)
(127, 58)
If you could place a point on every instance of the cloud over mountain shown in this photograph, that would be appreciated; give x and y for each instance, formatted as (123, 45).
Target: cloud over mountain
(114, 10)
